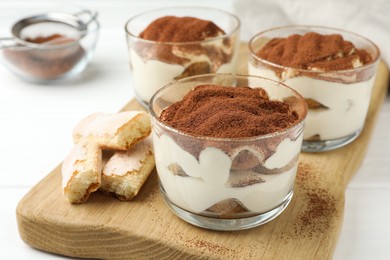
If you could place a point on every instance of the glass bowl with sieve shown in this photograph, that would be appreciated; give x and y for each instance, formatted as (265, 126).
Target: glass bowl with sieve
(50, 45)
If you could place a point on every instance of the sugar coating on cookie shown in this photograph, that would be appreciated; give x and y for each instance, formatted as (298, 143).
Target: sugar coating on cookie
(126, 171)
(81, 172)
(113, 131)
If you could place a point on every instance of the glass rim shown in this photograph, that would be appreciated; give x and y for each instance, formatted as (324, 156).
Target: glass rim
(226, 35)
(26, 45)
(297, 124)
(375, 59)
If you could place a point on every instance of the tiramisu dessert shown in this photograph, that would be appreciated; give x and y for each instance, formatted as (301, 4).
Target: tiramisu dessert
(228, 152)
(176, 46)
(334, 70)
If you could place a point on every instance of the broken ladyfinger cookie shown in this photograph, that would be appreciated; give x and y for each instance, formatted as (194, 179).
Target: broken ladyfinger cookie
(113, 131)
(81, 172)
(126, 171)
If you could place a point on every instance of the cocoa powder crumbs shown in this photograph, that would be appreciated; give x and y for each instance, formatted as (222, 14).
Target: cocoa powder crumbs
(313, 50)
(206, 246)
(319, 207)
(180, 29)
(315, 218)
(228, 112)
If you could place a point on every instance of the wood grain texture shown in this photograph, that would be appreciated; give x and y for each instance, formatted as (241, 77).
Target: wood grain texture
(107, 228)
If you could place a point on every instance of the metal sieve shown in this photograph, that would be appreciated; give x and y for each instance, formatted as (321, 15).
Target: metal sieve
(71, 25)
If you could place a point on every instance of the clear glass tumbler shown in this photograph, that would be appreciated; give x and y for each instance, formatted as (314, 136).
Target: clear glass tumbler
(338, 99)
(154, 64)
(213, 182)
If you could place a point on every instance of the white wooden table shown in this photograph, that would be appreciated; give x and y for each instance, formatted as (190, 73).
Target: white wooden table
(36, 123)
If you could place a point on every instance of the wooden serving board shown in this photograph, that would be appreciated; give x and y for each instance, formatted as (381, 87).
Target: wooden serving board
(107, 228)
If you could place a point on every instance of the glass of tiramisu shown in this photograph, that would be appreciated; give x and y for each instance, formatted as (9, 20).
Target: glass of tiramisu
(177, 42)
(334, 70)
(226, 148)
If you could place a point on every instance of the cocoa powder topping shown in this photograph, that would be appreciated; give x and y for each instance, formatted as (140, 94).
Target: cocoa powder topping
(180, 29)
(228, 112)
(313, 51)
(182, 41)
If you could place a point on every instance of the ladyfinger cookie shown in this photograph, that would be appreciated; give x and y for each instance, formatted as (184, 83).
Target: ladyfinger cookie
(81, 172)
(113, 131)
(126, 171)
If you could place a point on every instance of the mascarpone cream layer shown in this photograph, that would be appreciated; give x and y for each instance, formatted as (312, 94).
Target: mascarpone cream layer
(151, 75)
(206, 183)
(347, 103)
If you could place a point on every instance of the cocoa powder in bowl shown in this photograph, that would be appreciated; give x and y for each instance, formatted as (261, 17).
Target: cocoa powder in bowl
(57, 56)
